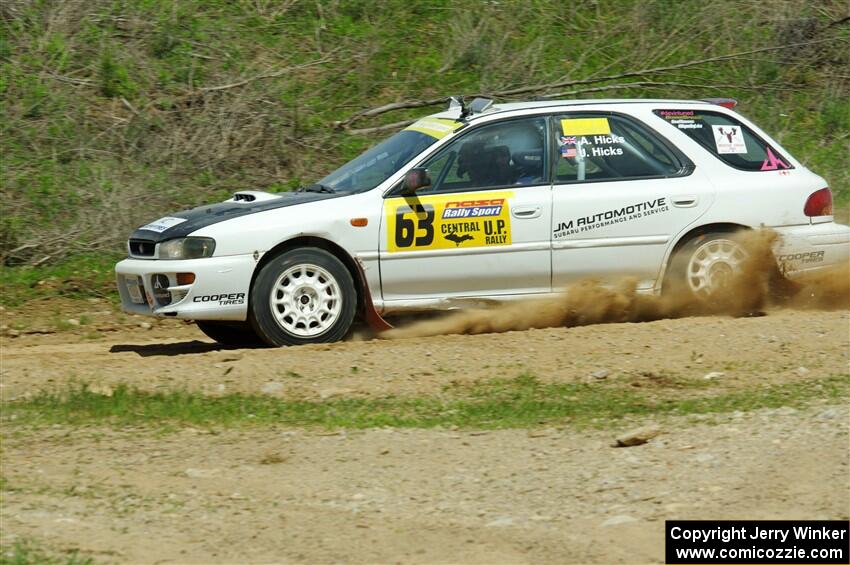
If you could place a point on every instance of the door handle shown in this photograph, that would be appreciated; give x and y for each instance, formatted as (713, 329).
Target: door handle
(685, 201)
(526, 212)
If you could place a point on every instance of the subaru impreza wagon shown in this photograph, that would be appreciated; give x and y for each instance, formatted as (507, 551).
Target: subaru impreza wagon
(487, 202)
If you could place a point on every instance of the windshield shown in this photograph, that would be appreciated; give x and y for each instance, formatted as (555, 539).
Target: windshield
(378, 163)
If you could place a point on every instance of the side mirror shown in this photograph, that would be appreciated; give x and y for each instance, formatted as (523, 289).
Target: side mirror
(415, 179)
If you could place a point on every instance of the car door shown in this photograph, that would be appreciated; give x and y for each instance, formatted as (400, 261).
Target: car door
(483, 226)
(620, 194)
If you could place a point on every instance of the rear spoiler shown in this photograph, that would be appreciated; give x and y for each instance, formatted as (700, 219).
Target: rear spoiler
(725, 102)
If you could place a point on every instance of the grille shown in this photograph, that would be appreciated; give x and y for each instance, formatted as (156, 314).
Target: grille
(142, 247)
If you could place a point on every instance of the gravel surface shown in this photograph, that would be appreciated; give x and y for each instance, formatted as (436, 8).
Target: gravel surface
(544, 495)
(415, 496)
(768, 349)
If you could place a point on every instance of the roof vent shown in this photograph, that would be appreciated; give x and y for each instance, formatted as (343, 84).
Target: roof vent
(478, 105)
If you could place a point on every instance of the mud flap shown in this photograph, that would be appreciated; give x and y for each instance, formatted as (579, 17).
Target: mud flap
(376, 322)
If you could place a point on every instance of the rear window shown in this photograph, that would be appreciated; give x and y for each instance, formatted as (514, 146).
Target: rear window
(727, 139)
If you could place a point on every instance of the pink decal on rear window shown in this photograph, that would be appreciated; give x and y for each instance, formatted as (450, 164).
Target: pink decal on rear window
(773, 162)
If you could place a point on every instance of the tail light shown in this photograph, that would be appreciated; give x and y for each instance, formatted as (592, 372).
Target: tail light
(819, 203)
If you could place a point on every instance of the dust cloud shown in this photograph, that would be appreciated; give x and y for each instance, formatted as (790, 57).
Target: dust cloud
(756, 288)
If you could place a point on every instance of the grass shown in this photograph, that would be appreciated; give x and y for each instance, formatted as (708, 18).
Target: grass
(30, 553)
(521, 402)
(104, 124)
(79, 276)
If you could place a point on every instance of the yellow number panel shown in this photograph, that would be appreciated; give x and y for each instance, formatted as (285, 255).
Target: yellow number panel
(452, 221)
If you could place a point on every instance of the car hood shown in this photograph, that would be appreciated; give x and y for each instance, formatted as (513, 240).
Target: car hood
(183, 223)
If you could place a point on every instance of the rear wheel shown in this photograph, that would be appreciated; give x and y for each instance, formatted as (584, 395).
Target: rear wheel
(706, 263)
(239, 334)
(303, 296)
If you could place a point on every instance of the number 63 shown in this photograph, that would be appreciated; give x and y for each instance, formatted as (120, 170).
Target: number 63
(407, 227)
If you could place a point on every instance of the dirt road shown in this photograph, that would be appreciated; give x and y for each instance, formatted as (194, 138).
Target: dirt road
(767, 349)
(414, 496)
(545, 495)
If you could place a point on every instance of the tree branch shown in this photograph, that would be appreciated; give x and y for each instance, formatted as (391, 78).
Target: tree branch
(651, 83)
(642, 83)
(376, 129)
(263, 76)
(389, 108)
(420, 103)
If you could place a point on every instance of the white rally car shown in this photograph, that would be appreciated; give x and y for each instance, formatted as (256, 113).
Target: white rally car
(486, 202)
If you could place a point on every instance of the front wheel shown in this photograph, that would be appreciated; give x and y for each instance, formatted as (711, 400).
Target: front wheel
(303, 296)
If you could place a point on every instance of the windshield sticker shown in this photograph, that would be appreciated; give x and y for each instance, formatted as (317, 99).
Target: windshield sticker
(448, 221)
(635, 211)
(163, 224)
(585, 126)
(437, 128)
(682, 119)
(729, 139)
(773, 162)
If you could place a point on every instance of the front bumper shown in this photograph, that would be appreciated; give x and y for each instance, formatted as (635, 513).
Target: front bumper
(803, 249)
(219, 290)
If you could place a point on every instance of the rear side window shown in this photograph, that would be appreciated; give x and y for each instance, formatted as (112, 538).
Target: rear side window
(727, 139)
(605, 147)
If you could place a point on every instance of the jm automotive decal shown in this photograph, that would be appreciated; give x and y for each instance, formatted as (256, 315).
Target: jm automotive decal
(609, 217)
(479, 219)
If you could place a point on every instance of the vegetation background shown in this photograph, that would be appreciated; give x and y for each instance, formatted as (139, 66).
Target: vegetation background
(115, 112)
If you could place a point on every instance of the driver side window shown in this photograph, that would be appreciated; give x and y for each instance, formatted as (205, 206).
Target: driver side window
(510, 153)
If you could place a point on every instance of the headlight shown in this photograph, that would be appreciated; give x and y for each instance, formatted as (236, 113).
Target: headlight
(187, 248)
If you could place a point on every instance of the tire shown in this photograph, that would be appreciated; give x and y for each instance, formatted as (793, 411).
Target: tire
(705, 264)
(303, 296)
(239, 334)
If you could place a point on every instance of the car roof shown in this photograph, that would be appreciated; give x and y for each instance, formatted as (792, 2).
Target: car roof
(537, 104)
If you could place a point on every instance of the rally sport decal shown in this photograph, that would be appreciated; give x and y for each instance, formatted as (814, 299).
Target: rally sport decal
(478, 219)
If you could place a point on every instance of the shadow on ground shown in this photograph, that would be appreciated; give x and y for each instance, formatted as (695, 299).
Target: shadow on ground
(165, 349)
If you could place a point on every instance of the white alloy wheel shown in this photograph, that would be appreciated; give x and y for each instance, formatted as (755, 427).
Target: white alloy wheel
(713, 265)
(305, 300)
